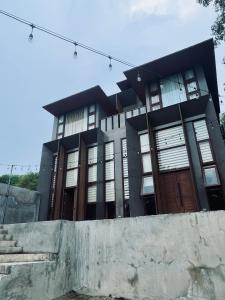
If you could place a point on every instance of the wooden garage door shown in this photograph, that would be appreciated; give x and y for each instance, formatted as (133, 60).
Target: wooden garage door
(177, 193)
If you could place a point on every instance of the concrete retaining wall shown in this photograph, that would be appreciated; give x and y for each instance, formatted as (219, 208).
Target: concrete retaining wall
(22, 205)
(164, 257)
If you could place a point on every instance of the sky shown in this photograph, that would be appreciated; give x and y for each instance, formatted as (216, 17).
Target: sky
(41, 72)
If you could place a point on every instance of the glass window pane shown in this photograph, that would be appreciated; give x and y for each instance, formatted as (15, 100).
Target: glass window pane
(147, 185)
(144, 141)
(155, 99)
(155, 107)
(146, 163)
(189, 74)
(192, 87)
(211, 176)
(109, 151)
(91, 126)
(194, 96)
(61, 119)
(109, 170)
(92, 173)
(109, 191)
(60, 129)
(206, 152)
(172, 90)
(91, 119)
(92, 194)
(92, 108)
(72, 160)
(154, 87)
(71, 178)
(59, 136)
(92, 155)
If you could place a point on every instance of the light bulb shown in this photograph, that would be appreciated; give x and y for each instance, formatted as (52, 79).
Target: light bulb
(30, 38)
(110, 63)
(138, 77)
(75, 51)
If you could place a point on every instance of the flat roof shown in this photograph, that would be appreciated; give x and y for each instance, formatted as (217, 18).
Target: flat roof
(87, 97)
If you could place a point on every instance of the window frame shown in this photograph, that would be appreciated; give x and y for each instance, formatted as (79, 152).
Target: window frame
(105, 161)
(89, 165)
(216, 173)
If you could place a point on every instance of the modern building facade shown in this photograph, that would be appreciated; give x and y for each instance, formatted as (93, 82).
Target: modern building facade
(155, 147)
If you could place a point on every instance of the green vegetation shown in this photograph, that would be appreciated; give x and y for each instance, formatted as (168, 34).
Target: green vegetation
(218, 28)
(28, 181)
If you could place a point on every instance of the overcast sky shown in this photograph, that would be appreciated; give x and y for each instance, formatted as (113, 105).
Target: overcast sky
(37, 73)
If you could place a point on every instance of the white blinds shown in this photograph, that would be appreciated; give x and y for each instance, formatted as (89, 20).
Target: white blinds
(76, 121)
(92, 155)
(109, 170)
(206, 152)
(126, 191)
(92, 194)
(172, 151)
(201, 130)
(126, 188)
(71, 178)
(144, 141)
(109, 191)
(72, 160)
(109, 151)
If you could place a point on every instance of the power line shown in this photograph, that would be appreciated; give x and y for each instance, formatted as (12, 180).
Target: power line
(86, 47)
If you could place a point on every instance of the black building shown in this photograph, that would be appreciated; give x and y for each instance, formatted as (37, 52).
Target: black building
(155, 147)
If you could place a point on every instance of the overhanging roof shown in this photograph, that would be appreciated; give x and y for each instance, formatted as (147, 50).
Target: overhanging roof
(87, 97)
(200, 54)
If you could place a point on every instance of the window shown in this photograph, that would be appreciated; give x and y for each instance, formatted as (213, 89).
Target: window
(53, 180)
(147, 185)
(155, 96)
(91, 116)
(76, 121)
(211, 176)
(109, 172)
(171, 148)
(92, 174)
(191, 84)
(60, 128)
(72, 169)
(147, 179)
(126, 192)
(205, 151)
(172, 90)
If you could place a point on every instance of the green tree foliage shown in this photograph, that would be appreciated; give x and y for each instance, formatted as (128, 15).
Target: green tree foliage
(28, 181)
(222, 118)
(218, 28)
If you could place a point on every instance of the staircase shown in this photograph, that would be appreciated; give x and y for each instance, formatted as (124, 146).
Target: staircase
(11, 254)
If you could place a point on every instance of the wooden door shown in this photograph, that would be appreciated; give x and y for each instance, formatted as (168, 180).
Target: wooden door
(177, 194)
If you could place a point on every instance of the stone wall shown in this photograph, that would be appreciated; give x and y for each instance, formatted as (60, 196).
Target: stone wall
(164, 257)
(21, 205)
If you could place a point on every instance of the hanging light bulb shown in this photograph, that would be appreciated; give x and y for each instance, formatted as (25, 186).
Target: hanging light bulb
(75, 50)
(138, 77)
(110, 63)
(30, 38)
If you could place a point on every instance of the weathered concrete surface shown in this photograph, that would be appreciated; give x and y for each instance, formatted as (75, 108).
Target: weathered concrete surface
(22, 205)
(75, 296)
(163, 257)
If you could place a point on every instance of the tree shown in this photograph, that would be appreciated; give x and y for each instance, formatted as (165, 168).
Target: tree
(222, 119)
(218, 28)
(28, 181)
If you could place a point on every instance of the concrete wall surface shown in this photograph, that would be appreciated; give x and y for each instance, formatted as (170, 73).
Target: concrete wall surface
(164, 257)
(21, 205)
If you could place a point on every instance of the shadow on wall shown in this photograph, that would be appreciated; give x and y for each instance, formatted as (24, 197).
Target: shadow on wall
(20, 206)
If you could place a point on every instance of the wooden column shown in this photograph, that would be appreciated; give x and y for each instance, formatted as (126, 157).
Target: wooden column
(80, 198)
(59, 183)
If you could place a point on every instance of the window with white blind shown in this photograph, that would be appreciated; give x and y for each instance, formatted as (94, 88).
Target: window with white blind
(171, 148)
(109, 172)
(76, 121)
(209, 170)
(92, 175)
(53, 180)
(147, 177)
(126, 193)
(191, 84)
(72, 169)
(60, 127)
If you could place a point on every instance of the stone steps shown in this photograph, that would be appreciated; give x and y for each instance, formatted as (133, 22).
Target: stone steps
(5, 237)
(26, 257)
(5, 243)
(6, 250)
(3, 231)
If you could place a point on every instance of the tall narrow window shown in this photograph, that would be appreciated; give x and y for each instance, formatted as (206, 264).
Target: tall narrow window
(155, 96)
(191, 84)
(210, 173)
(172, 90)
(92, 116)
(76, 121)
(60, 127)
(109, 172)
(72, 169)
(147, 179)
(92, 175)
(126, 192)
(53, 181)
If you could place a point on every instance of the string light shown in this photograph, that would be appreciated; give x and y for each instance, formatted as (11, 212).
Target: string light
(138, 77)
(75, 50)
(110, 63)
(30, 38)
